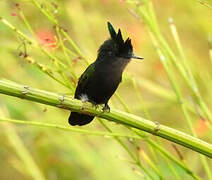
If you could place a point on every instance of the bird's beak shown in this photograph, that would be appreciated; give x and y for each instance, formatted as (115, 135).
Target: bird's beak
(136, 57)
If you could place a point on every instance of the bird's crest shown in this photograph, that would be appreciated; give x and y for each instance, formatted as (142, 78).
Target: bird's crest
(123, 46)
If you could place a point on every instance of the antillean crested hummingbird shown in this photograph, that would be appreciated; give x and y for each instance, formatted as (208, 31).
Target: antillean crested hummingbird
(101, 79)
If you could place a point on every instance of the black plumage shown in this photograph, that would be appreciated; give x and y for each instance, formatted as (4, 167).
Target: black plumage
(101, 79)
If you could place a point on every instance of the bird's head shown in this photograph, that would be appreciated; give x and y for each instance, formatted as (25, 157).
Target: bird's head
(116, 47)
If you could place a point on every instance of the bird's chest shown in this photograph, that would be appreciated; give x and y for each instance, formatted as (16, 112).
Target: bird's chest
(108, 80)
(110, 75)
(103, 86)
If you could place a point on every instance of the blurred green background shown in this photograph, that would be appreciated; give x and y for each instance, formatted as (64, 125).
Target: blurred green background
(67, 155)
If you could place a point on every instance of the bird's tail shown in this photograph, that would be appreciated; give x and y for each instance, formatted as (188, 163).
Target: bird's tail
(79, 119)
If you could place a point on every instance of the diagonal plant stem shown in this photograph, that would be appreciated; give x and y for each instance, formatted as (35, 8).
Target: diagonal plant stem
(157, 146)
(127, 109)
(60, 101)
(78, 52)
(71, 129)
(184, 62)
(55, 22)
(165, 53)
(57, 63)
(150, 19)
(128, 151)
(22, 152)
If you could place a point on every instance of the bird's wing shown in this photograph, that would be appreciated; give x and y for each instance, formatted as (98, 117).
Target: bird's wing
(84, 80)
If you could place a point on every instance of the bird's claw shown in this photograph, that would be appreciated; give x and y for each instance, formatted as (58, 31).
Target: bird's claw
(83, 106)
(94, 104)
(106, 108)
(84, 101)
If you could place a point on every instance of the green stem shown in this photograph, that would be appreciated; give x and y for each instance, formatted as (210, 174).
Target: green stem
(65, 128)
(53, 99)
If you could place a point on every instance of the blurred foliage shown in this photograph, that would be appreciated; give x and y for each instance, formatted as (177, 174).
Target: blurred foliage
(64, 155)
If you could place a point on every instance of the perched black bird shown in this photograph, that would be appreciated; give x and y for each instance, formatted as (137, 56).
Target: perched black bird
(101, 79)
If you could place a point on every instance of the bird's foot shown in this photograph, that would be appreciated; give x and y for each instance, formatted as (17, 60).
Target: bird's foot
(94, 104)
(106, 108)
(84, 98)
(83, 105)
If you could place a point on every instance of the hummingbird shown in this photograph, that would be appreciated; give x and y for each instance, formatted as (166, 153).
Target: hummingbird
(101, 79)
